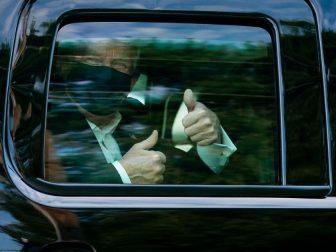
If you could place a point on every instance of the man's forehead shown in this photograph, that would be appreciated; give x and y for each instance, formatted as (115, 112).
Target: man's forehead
(118, 55)
(116, 50)
(122, 51)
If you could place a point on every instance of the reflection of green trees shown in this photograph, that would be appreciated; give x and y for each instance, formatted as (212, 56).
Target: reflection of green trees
(234, 68)
(241, 80)
(234, 80)
(229, 68)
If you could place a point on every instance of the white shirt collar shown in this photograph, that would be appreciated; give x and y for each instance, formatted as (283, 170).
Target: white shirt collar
(107, 128)
(139, 89)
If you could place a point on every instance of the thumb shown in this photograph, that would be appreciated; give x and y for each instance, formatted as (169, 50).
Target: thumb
(149, 142)
(189, 100)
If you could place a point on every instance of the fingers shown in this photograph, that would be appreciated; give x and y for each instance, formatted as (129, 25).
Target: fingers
(148, 143)
(189, 100)
(156, 156)
(201, 125)
(158, 179)
(195, 128)
(155, 171)
(204, 138)
(145, 166)
(152, 168)
(193, 117)
(163, 158)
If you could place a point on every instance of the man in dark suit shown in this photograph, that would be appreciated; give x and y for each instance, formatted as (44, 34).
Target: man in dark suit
(110, 129)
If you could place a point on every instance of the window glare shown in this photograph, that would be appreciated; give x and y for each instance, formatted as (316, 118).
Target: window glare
(229, 69)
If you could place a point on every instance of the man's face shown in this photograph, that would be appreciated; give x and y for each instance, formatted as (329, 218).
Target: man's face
(119, 56)
(122, 58)
(104, 87)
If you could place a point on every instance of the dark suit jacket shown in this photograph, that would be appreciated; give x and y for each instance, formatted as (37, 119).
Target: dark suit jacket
(80, 154)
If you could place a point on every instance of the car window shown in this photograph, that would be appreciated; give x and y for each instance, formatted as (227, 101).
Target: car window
(147, 103)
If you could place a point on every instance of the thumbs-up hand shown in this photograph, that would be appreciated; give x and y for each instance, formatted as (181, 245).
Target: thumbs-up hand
(189, 100)
(144, 166)
(200, 124)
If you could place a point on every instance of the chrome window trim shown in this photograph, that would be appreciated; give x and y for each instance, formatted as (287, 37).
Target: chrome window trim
(279, 88)
(328, 133)
(169, 202)
(179, 202)
(281, 102)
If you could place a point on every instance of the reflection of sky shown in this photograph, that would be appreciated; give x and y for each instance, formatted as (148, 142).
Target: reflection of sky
(284, 9)
(6, 24)
(329, 17)
(212, 34)
(290, 10)
(7, 243)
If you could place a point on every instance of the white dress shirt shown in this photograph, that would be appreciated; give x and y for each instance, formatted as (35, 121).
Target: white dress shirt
(109, 146)
(214, 156)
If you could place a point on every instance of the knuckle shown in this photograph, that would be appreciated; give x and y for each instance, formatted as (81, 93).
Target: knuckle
(207, 122)
(202, 113)
(158, 169)
(193, 138)
(154, 170)
(184, 121)
(156, 157)
(158, 179)
(163, 157)
(206, 142)
(212, 131)
(151, 153)
(214, 139)
(201, 143)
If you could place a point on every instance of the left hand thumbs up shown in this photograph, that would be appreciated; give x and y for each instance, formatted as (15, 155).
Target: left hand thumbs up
(189, 100)
(200, 124)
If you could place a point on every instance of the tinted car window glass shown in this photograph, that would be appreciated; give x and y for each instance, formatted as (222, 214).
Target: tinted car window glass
(162, 103)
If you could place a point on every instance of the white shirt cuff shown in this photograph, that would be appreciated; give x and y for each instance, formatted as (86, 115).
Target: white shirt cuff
(122, 172)
(215, 156)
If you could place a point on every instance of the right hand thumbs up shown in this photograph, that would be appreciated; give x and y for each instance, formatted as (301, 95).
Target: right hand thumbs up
(149, 142)
(145, 166)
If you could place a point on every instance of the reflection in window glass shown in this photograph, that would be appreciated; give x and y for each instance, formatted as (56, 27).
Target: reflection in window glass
(148, 103)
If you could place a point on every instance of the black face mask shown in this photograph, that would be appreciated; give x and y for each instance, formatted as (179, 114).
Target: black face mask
(98, 89)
